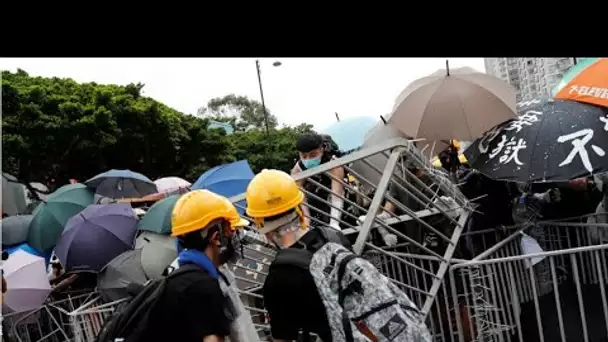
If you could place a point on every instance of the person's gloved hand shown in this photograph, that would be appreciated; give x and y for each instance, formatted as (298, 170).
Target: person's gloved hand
(382, 216)
(449, 205)
(389, 239)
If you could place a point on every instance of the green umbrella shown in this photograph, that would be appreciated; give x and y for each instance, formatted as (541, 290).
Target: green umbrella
(50, 217)
(158, 217)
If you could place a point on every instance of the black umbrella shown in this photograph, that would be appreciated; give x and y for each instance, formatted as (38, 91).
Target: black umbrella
(552, 140)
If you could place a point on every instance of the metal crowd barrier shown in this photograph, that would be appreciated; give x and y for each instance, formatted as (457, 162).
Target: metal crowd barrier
(558, 294)
(77, 317)
(427, 208)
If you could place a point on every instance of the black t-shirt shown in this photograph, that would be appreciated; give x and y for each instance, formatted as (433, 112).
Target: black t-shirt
(294, 304)
(192, 307)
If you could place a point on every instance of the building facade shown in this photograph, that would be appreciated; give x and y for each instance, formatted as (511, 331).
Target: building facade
(532, 77)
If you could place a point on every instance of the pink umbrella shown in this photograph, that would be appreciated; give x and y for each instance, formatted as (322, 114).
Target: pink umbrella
(170, 184)
(27, 282)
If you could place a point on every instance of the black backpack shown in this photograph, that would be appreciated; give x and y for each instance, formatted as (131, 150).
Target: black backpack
(130, 323)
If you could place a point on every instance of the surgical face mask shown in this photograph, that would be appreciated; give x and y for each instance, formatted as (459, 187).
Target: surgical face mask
(310, 163)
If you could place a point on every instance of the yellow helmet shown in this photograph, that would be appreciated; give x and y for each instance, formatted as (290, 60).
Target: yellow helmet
(271, 193)
(196, 209)
(236, 221)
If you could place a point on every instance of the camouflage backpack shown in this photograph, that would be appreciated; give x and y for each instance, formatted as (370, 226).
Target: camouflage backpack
(362, 305)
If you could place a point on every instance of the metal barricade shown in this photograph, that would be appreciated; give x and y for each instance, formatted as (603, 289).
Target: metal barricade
(557, 294)
(52, 322)
(417, 204)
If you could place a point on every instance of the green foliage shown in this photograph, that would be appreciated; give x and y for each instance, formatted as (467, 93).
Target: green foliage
(55, 129)
(241, 112)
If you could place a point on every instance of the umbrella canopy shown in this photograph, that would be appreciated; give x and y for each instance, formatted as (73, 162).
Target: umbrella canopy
(27, 282)
(50, 217)
(158, 218)
(587, 81)
(227, 180)
(29, 249)
(349, 133)
(121, 184)
(124, 270)
(170, 184)
(14, 229)
(158, 251)
(458, 104)
(95, 236)
(554, 140)
(381, 132)
(13, 195)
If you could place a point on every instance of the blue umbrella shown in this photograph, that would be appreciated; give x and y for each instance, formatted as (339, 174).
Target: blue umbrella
(349, 133)
(29, 249)
(122, 184)
(95, 236)
(227, 180)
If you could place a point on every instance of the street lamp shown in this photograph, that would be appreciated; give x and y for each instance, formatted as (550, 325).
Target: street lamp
(259, 70)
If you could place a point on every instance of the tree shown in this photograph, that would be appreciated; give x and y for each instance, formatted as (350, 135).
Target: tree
(240, 111)
(55, 129)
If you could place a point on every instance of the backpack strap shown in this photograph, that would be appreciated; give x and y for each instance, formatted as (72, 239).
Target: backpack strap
(342, 292)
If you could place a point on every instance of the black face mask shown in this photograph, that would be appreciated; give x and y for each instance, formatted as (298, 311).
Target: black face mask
(231, 249)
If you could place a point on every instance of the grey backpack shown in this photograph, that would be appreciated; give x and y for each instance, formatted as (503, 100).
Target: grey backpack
(362, 305)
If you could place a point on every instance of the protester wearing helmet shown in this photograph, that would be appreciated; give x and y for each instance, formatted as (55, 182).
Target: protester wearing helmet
(193, 304)
(274, 201)
(313, 151)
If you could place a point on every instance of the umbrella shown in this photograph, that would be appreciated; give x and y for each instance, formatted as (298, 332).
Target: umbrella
(120, 273)
(552, 140)
(14, 229)
(381, 132)
(95, 236)
(51, 217)
(227, 180)
(27, 282)
(158, 251)
(587, 81)
(121, 184)
(158, 218)
(13, 195)
(29, 249)
(349, 133)
(170, 184)
(453, 104)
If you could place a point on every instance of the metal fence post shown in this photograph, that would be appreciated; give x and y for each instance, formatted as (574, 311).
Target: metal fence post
(377, 200)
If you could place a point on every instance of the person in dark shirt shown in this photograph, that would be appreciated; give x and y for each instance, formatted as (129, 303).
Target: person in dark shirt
(290, 294)
(294, 304)
(313, 151)
(193, 307)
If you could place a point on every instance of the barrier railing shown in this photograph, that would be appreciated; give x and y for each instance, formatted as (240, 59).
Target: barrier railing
(558, 294)
(394, 202)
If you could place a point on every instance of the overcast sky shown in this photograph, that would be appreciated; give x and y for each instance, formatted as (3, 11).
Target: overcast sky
(300, 90)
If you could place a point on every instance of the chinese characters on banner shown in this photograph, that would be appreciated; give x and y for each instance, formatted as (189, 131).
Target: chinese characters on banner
(579, 141)
(509, 148)
(527, 119)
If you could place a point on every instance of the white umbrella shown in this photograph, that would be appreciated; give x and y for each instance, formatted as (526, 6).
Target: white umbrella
(171, 184)
(27, 282)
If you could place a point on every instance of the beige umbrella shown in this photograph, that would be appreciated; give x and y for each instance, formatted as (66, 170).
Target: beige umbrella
(459, 104)
(379, 133)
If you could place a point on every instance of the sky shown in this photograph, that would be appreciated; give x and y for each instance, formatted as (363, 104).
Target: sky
(300, 90)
